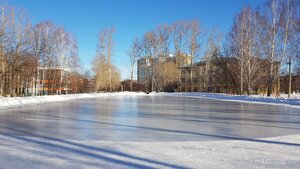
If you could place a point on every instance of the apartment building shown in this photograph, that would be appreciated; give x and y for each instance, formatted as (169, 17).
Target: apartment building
(216, 77)
(284, 83)
(144, 65)
(53, 81)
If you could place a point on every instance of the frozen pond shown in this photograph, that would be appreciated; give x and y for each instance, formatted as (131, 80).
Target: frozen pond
(150, 118)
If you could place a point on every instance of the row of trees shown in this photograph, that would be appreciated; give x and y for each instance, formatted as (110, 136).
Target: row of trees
(27, 51)
(267, 37)
(270, 32)
(184, 39)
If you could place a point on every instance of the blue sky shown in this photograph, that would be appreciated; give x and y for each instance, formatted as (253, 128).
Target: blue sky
(131, 18)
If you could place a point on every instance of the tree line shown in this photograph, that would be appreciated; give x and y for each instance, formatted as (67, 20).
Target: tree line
(183, 39)
(262, 41)
(270, 32)
(265, 37)
(27, 51)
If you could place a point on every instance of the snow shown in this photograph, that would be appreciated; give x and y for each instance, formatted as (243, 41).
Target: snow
(44, 153)
(6, 102)
(294, 101)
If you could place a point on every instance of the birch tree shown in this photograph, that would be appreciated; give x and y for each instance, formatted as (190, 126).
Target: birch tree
(194, 34)
(18, 46)
(103, 67)
(179, 41)
(67, 55)
(38, 47)
(134, 54)
(213, 45)
(270, 40)
(179, 44)
(3, 42)
(49, 56)
(237, 39)
(164, 42)
(245, 47)
(150, 50)
(288, 23)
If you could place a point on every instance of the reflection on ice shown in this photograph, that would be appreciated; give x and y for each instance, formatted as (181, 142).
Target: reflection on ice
(156, 118)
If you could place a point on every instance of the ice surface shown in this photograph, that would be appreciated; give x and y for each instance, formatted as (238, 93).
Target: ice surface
(129, 130)
(150, 118)
(39, 153)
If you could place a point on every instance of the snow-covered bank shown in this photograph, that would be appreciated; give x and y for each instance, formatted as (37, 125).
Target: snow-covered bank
(293, 102)
(38, 153)
(6, 102)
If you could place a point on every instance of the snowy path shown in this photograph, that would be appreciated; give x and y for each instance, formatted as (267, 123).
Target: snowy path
(38, 153)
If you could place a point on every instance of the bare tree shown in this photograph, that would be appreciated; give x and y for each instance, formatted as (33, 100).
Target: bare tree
(38, 48)
(150, 50)
(134, 54)
(3, 38)
(164, 40)
(288, 24)
(270, 40)
(99, 67)
(62, 53)
(228, 64)
(236, 37)
(179, 37)
(179, 41)
(213, 46)
(194, 34)
(103, 60)
(67, 55)
(252, 49)
(25, 49)
(18, 47)
(103, 81)
(49, 56)
(245, 47)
